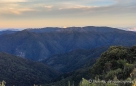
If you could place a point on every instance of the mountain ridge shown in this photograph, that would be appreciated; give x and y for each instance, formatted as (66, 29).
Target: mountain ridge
(80, 29)
(39, 46)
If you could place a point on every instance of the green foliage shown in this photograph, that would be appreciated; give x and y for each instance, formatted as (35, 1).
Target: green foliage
(116, 64)
(133, 74)
(84, 82)
(111, 84)
(116, 61)
(2, 83)
(68, 83)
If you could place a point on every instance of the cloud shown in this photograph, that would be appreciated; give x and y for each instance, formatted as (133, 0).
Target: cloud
(9, 1)
(126, 2)
(48, 6)
(70, 7)
(52, 9)
(77, 7)
(14, 11)
(132, 29)
(14, 7)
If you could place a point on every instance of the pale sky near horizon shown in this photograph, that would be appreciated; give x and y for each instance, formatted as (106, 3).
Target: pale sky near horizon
(57, 13)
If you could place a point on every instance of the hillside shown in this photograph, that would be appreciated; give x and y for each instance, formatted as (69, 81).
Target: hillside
(117, 62)
(37, 46)
(73, 60)
(22, 72)
(74, 76)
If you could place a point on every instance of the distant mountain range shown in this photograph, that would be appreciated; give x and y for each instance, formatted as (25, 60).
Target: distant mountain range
(22, 72)
(71, 29)
(39, 44)
(7, 32)
(71, 51)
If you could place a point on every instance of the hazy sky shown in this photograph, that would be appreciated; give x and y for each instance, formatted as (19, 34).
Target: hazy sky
(45, 13)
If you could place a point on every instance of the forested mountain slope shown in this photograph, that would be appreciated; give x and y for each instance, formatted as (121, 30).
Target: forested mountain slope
(117, 62)
(41, 45)
(22, 72)
(73, 60)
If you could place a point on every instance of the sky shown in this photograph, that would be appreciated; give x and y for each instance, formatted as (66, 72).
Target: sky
(67, 13)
